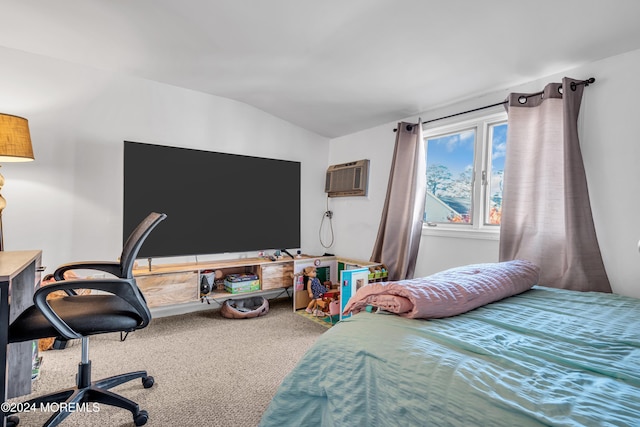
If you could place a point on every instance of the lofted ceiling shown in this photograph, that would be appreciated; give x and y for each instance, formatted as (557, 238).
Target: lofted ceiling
(333, 67)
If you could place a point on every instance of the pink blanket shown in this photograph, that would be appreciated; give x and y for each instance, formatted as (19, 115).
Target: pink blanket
(449, 292)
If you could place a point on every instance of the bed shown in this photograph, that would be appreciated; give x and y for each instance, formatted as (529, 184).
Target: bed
(541, 356)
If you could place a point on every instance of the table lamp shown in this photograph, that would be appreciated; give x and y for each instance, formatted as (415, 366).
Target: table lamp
(15, 146)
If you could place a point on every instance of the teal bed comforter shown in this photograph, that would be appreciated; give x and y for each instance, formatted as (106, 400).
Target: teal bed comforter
(546, 357)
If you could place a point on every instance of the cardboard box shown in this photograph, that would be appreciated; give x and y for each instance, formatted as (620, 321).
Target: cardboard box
(238, 283)
(238, 288)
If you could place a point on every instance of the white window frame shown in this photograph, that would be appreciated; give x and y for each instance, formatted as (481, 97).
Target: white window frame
(480, 122)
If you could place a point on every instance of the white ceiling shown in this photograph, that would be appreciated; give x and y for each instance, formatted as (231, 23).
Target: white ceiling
(331, 66)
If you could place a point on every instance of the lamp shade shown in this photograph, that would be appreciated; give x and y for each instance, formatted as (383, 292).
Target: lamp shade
(15, 140)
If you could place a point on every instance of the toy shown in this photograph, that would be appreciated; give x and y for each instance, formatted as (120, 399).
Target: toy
(316, 291)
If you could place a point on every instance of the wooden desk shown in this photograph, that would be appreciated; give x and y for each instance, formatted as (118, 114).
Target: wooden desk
(19, 275)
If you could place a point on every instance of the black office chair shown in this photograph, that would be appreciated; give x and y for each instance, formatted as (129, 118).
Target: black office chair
(120, 307)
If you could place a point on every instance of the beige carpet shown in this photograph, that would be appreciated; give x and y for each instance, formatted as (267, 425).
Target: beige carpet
(209, 371)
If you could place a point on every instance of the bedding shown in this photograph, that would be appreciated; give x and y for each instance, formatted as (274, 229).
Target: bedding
(448, 292)
(546, 356)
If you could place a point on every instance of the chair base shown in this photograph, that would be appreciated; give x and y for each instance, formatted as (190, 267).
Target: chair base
(78, 398)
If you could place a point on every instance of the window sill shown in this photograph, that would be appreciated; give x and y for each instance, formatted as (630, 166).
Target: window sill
(461, 233)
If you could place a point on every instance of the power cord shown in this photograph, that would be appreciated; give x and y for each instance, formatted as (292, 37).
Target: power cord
(326, 214)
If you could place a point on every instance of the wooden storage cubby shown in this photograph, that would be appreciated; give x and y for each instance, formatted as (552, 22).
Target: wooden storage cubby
(224, 272)
(175, 284)
(169, 288)
(170, 285)
(378, 272)
(273, 275)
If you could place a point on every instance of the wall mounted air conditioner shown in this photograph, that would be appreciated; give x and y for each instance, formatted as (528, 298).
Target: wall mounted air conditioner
(347, 179)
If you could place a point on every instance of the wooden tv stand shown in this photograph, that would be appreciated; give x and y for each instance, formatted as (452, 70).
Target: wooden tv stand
(176, 287)
(167, 285)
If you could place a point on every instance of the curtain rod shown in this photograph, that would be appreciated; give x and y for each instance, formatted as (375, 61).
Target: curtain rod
(573, 86)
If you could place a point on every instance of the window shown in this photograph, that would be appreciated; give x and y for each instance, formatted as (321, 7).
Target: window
(497, 146)
(465, 166)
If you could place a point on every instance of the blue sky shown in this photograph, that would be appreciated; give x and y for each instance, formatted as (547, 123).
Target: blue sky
(456, 150)
(499, 143)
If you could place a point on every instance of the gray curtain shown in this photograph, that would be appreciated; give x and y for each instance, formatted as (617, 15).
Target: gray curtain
(400, 228)
(546, 214)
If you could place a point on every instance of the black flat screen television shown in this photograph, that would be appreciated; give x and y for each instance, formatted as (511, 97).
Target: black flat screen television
(215, 202)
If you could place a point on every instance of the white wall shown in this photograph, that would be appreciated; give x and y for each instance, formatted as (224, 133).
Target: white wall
(69, 201)
(611, 151)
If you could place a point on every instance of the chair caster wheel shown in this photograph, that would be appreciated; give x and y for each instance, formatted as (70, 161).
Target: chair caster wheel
(141, 419)
(12, 421)
(147, 382)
